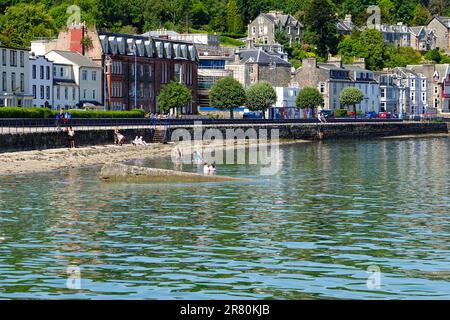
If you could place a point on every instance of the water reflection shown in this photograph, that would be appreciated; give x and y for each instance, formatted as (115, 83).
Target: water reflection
(309, 231)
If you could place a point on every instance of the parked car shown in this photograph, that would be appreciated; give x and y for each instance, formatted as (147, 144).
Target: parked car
(253, 115)
(384, 115)
(372, 115)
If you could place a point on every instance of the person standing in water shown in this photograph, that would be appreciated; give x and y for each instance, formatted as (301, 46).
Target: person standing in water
(71, 136)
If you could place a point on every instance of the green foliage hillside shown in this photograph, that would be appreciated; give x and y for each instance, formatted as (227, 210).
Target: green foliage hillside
(24, 20)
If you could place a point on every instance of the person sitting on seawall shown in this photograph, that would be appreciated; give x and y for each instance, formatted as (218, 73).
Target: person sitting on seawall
(142, 142)
(321, 117)
(212, 168)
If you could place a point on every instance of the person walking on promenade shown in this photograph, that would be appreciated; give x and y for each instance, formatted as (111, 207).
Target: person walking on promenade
(71, 136)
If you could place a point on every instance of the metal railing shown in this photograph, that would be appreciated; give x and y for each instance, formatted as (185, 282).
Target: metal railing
(16, 126)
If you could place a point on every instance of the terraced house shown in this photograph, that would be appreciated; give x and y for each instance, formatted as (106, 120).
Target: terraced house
(14, 72)
(133, 68)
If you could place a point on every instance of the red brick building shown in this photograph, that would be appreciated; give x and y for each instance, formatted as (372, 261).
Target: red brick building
(157, 62)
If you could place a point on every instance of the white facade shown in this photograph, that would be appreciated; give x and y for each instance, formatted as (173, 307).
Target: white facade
(413, 99)
(41, 81)
(364, 80)
(85, 74)
(14, 73)
(286, 97)
(66, 93)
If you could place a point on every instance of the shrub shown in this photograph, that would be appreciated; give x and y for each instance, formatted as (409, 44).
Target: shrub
(341, 112)
(18, 112)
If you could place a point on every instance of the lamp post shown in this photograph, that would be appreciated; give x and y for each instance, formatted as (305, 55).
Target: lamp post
(107, 71)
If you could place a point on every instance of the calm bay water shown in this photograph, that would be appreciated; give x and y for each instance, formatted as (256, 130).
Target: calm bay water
(310, 231)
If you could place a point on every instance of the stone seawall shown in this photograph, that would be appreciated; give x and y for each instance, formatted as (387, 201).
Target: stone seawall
(53, 140)
(330, 130)
(49, 140)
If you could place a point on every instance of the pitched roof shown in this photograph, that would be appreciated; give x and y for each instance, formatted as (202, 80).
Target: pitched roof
(77, 59)
(283, 19)
(444, 20)
(416, 30)
(261, 57)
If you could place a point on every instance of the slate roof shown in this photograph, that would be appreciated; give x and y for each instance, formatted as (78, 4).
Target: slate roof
(444, 20)
(262, 57)
(77, 59)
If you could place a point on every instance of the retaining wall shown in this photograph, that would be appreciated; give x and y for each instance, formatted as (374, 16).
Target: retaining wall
(47, 140)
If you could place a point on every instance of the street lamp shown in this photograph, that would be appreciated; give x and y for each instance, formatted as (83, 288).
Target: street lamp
(107, 70)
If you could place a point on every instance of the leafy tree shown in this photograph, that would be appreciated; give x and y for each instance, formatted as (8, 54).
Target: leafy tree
(421, 15)
(227, 94)
(174, 95)
(234, 18)
(282, 38)
(309, 98)
(23, 23)
(369, 45)
(261, 96)
(401, 56)
(321, 20)
(351, 97)
(437, 6)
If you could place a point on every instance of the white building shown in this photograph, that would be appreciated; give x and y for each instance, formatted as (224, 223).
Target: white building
(66, 92)
(365, 81)
(15, 84)
(286, 103)
(413, 91)
(41, 81)
(389, 92)
(86, 74)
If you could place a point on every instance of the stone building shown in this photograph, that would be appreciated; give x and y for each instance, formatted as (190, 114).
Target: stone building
(422, 38)
(254, 65)
(262, 30)
(441, 28)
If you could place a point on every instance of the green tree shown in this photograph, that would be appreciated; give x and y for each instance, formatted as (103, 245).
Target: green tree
(234, 18)
(261, 96)
(421, 15)
(227, 94)
(400, 56)
(282, 38)
(351, 97)
(174, 96)
(437, 6)
(433, 55)
(309, 98)
(369, 45)
(23, 23)
(321, 20)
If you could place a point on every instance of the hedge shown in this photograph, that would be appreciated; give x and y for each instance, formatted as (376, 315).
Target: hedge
(341, 112)
(18, 112)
